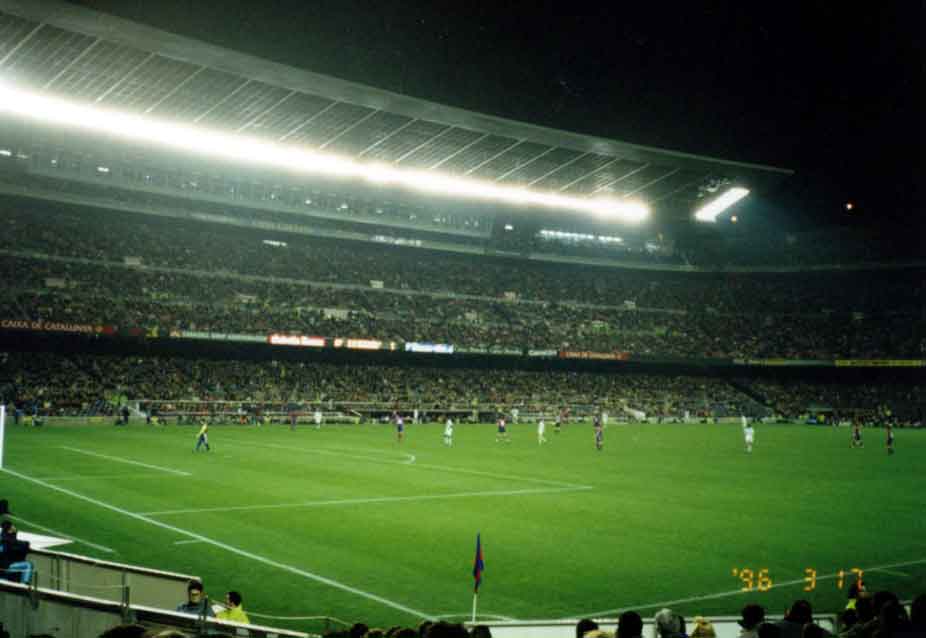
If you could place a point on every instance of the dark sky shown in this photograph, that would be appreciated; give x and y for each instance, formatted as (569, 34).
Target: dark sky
(829, 89)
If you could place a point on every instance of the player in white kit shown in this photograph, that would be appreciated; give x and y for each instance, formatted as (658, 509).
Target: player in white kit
(318, 419)
(448, 432)
(749, 436)
(541, 428)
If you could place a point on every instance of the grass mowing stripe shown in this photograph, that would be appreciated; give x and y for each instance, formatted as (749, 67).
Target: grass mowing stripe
(119, 459)
(736, 592)
(426, 466)
(235, 550)
(92, 477)
(369, 501)
(63, 535)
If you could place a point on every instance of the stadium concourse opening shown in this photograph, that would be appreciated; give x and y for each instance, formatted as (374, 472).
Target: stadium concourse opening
(279, 351)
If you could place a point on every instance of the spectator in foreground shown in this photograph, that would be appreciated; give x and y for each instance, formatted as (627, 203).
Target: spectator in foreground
(799, 614)
(753, 615)
(669, 624)
(629, 625)
(125, 631)
(443, 629)
(233, 610)
(480, 631)
(703, 628)
(918, 614)
(196, 601)
(585, 625)
(768, 630)
(813, 630)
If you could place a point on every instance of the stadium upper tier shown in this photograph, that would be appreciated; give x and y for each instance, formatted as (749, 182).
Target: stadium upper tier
(51, 49)
(152, 273)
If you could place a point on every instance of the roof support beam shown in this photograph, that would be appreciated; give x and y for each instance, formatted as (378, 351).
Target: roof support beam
(459, 150)
(650, 183)
(222, 101)
(386, 137)
(264, 112)
(299, 127)
(557, 169)
(70, 64)
(422, 145)
(122, 80)
(501, 152)
(622, 177)
(589, 174)
(520, 166)
(349, 128)
(176, 88)
(19, 44)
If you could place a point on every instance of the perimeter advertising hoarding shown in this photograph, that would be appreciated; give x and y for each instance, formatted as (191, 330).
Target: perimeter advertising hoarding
(55, 326)
(600, 356)
(880, 363)
(300, 341)
(432, 348)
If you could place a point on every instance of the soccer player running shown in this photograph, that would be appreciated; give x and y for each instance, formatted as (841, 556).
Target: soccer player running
(448, 432)
(557, 426)
(502, 433)
(202, 439)
(399, 427)
(890, 439)
(749, 436)
(318, 419)
(541, 428)
(599, 433)
(857, 435)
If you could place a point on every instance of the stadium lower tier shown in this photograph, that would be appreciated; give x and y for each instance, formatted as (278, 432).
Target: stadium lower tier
(83, 384)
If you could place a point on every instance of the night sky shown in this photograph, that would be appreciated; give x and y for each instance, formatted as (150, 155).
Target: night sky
(830, 90)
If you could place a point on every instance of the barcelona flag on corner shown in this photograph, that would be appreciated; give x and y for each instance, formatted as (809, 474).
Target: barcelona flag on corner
(478, 564)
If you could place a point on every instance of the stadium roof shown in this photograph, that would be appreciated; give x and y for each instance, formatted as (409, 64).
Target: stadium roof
(91, 57)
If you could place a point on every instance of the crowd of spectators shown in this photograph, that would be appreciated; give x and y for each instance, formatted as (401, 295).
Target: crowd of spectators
(71, 384)
(878, 615)
(144, 273)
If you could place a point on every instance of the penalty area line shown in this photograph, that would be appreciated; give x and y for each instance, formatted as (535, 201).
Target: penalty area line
(229, 548)
(119, 459)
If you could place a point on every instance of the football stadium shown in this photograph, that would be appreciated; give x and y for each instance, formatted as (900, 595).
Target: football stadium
(286, 354)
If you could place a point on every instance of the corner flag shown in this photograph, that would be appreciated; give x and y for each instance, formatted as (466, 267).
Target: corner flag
(478, 564)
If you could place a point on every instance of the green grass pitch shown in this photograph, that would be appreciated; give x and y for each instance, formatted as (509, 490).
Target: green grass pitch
(347, 522)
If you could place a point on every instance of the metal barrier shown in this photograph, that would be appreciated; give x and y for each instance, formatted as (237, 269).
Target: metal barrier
(106, 580)
(31, 609)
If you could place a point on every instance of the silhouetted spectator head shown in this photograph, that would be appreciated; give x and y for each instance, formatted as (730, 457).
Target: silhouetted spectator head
(125, 631)
(881, 598)
(423, 628)
(918, 613)
(359, 630)
(443, 629)
(848, 619)
(893, 620)
(480, 631)
(865, 608)
(629, 625)
(800, 612)
(768, 630)
(812, 630)
(584, 625)
(753, 615)
(406, 632)
(669, 624)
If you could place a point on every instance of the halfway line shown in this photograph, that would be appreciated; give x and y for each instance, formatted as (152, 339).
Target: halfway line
(367, 501)
(234, 550)
(118, 459)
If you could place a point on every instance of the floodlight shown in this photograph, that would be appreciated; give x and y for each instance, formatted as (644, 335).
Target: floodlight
(710, 211)
(212, 143)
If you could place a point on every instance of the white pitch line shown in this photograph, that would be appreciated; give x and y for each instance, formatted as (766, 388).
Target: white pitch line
(126, 461)
(229, 548)
(86, 477)
(367, 501)
(735, 592)
(442, 468)
(188, 541)
(891, 572)
(75, 539)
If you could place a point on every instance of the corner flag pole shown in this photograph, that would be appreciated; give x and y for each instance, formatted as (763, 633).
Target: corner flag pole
(478, 567)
